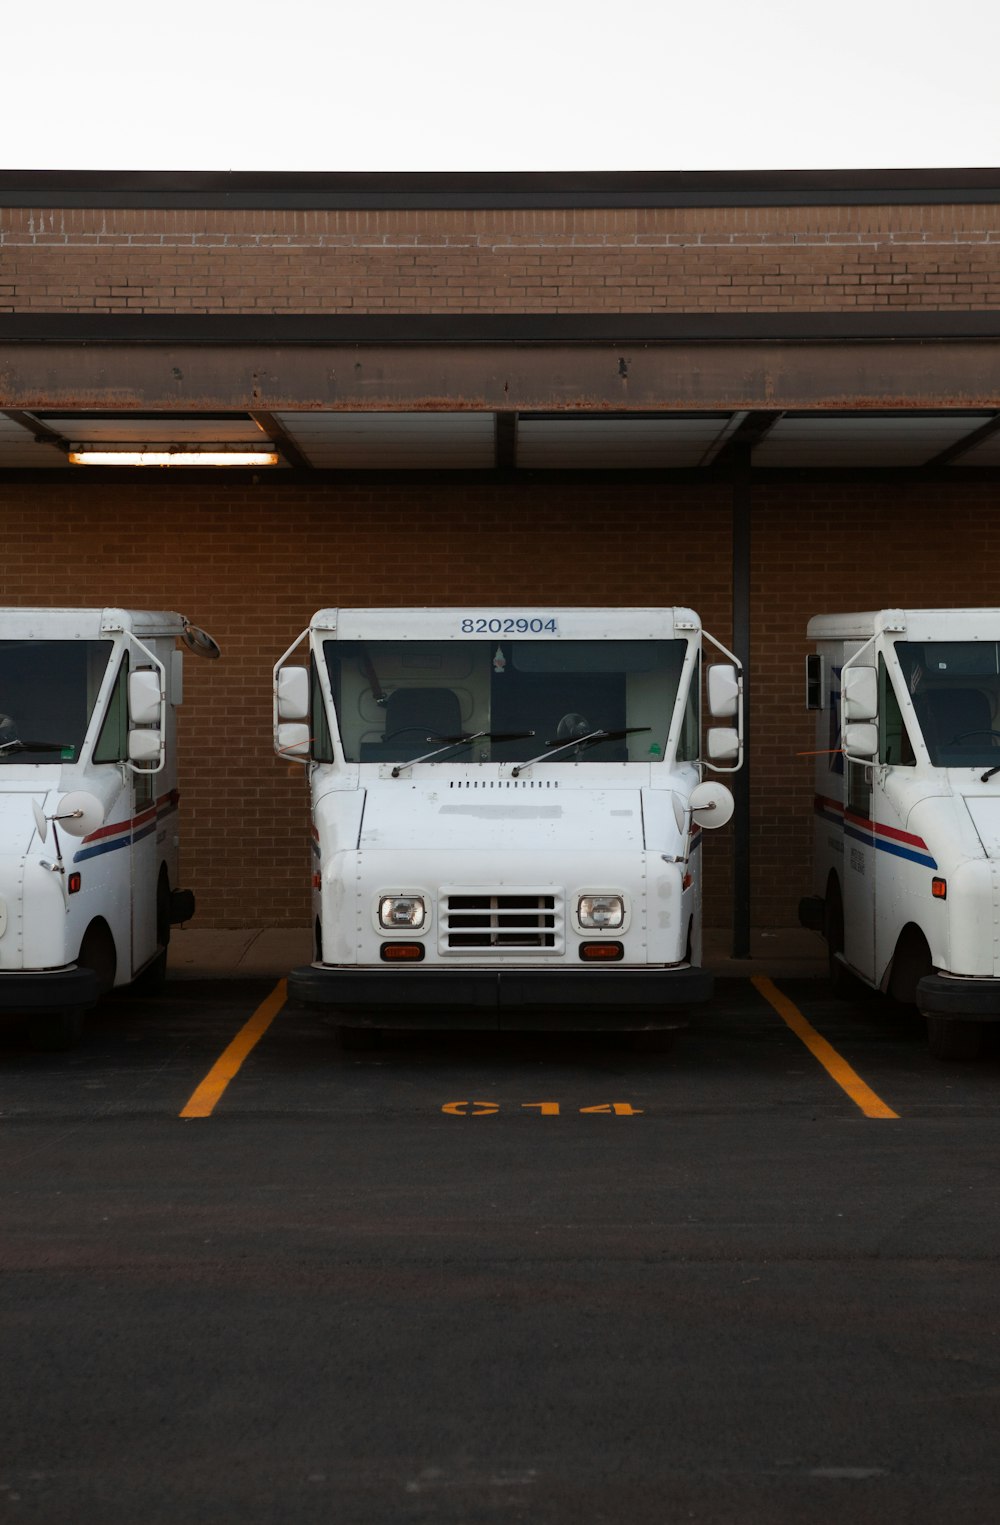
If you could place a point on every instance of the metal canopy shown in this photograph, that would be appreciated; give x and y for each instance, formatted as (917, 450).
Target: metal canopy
(615, 393)
(446, 442)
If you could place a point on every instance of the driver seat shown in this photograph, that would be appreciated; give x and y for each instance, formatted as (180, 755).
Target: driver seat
(435, 711)
(945, 714)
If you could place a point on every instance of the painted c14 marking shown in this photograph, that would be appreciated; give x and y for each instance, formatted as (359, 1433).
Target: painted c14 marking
(544, 1108)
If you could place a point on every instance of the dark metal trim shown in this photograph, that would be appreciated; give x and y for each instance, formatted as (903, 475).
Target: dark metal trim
(738, 460)
(249, 190)
(644, 476)
(739, 447)
(263, 329)
(282, 440)
(505, 441)
(40, 431)
(963, 446)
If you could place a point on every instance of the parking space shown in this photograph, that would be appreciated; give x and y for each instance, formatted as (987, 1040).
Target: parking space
(448, 1279)
(210, 1049)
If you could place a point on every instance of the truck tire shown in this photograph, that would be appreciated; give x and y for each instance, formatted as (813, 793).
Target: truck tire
(55, 1031)
(842, 982)
(151, 980)
(948, 1039)
(97, 952)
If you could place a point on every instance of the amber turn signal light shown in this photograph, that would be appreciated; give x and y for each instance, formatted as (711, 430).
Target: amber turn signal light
(939, 889)
(601, 953)
(402, 953)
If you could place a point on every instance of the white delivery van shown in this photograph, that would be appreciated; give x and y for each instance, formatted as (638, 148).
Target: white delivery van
(907, 810)
(88, 806)
(507, 808)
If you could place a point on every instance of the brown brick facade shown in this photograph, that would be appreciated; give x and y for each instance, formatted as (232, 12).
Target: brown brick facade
(252, 564)
(748, 259)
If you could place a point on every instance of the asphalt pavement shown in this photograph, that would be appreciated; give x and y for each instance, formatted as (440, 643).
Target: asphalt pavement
(460, 1279)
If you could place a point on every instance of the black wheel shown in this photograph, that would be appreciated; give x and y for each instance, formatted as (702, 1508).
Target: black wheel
(358, 1040)
(57, 1030)
(153, 977)
(948, 1039)
(842, 982)
(97, 952)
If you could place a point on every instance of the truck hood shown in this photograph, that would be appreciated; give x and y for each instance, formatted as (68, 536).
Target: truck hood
(985, 815)
(17, 822)
(404, 815)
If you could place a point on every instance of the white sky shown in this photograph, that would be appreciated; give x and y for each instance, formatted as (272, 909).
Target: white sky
(513, 85)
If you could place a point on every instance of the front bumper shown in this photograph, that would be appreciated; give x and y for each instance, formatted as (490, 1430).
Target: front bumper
(941, 995)
(551, 1000)
(33, 991)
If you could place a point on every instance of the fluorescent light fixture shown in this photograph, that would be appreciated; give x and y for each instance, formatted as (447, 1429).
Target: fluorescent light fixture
(85, 457)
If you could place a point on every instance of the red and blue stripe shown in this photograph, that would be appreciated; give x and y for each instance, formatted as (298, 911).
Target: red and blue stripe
(886, 839)
(108, 839)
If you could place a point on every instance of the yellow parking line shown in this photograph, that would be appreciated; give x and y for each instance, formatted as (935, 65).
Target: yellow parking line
(849, 1080)
(202, 1103)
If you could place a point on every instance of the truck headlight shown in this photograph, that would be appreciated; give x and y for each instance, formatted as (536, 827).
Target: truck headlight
(601, 912)
(395, 911)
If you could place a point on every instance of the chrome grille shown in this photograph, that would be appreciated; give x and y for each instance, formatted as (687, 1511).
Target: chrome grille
(500, 921)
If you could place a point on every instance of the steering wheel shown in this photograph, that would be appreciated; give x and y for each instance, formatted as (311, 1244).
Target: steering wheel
(572, 726)
(406, 730)
(964, 736)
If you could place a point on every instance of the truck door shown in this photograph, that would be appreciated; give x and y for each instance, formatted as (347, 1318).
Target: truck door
(899, 855)
(859, 869)
(144, 863)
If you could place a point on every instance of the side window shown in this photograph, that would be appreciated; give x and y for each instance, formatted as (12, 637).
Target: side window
(689, 742)
(112, 743)
(319, 728)
(859, 788)
(894, 745)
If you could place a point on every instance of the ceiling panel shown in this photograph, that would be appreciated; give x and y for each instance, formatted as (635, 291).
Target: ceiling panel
(120, 429)
(18, 451)
(393, 441)
(853, 442)
(615, 443)
(987, 453)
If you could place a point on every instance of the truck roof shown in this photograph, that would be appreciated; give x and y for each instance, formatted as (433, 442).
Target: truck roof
(917, 624)
(86, 624)
(487, 622)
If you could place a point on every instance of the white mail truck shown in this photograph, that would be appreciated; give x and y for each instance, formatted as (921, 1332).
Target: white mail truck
(507, 813)
(907, 811)
(88, 807)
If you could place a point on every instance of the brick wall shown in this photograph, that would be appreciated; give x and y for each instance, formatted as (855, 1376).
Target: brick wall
(779, 259)
(252, 564)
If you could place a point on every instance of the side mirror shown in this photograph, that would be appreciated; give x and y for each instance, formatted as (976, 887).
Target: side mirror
(723, 743)
(292, 740)
(144, 697)
(292, 691)
(711, 804)
(859, 690)
(723, 691)
(145, 747)
(860, 740)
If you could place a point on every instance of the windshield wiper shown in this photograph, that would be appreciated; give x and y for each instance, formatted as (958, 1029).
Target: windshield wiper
(989, 773)
(17, 745)
(578, 741)
(461, 741)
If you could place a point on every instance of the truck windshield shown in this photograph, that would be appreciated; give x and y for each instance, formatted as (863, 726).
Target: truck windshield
(955, 688)
(48, 690)
(395, 699)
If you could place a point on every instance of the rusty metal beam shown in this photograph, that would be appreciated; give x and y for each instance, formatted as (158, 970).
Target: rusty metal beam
(590, 377)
